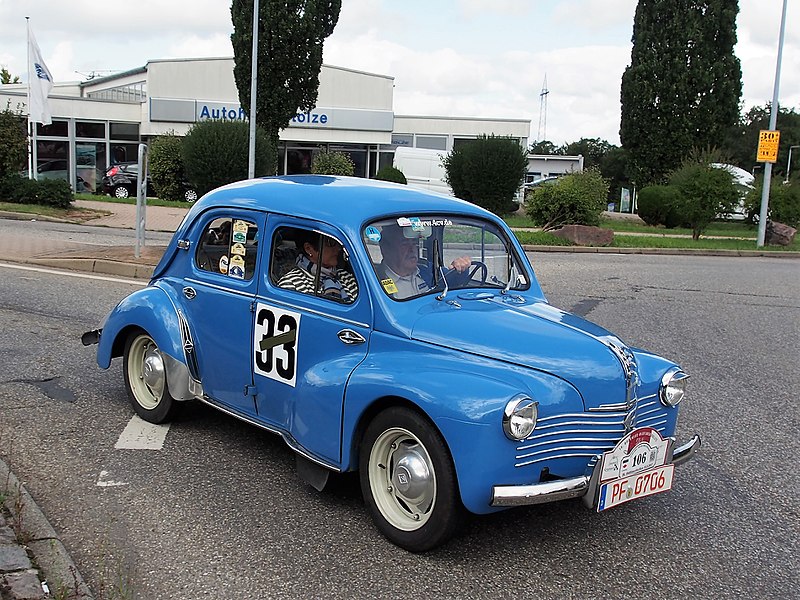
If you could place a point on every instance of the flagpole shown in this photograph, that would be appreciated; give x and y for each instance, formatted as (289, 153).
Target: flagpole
(30, 128)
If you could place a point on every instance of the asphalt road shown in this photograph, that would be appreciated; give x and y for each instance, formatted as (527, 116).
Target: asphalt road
(218, 512)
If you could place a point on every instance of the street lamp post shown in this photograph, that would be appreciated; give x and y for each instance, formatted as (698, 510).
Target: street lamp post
(789, 163)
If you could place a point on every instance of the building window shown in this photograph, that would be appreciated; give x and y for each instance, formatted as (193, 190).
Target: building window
(88, 129)
(55, 129)
(432, 142)
(124, 131)
(402, 139)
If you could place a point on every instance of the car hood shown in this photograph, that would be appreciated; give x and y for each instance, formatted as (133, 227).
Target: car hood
(533, 334)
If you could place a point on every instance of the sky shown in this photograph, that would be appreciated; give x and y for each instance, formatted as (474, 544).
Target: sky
(465, 58)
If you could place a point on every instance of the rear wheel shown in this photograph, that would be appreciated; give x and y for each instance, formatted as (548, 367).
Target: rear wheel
(408, 480)
(190, 195)
(146, 379)
(120, 191)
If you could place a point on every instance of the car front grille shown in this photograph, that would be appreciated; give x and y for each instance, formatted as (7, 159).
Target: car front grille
(588, 434)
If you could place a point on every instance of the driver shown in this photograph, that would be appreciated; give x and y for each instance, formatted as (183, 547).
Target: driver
(398, 271)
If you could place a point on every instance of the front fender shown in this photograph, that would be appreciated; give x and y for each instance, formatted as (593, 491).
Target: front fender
(464, 397)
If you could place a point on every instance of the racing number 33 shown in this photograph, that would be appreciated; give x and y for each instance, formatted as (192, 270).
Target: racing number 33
(275, 343)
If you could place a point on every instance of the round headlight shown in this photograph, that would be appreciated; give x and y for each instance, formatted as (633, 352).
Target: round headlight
(673, 387)
(519, 417)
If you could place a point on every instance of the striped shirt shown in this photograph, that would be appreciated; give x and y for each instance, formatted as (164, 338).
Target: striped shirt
(302, 281)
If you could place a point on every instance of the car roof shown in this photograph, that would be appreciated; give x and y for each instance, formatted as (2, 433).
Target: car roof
(345, 202)
(338, 200)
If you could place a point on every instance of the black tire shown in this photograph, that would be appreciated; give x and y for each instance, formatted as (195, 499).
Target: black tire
(408, 480)
(146, 379)
(190, 195)
(120, 191)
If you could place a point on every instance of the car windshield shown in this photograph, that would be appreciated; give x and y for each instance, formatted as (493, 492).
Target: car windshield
(417, 255)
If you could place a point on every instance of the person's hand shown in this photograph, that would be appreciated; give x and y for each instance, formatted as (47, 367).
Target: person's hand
(461, 264)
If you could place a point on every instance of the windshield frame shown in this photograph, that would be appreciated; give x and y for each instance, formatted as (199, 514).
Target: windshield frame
(371, 237)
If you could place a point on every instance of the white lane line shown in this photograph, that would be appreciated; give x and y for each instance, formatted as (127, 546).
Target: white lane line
(140, 283)
(104, 481)
(141, 435)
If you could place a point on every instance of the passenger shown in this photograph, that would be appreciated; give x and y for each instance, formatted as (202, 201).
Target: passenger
(399, 271)
(334, 282)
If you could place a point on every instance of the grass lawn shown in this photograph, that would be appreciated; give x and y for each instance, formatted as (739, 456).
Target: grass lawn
(73, 213)
(718, 228)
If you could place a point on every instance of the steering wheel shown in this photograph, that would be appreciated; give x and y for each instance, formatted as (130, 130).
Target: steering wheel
(463, 277)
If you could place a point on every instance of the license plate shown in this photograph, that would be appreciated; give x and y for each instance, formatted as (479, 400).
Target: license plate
(625, 489)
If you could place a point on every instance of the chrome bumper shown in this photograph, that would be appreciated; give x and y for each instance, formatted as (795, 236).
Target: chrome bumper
(576, 487)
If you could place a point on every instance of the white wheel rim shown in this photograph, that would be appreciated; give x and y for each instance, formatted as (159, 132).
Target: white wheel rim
(146, 372)
(402, 479)
(121, 192)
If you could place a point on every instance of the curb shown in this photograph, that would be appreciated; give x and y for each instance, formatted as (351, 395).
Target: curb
(49, 554)
(98, 266)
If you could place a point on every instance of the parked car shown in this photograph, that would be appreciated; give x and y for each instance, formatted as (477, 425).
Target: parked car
(466, 391)
(120, 182)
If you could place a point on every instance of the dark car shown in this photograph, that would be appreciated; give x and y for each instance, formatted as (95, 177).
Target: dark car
(120, 182)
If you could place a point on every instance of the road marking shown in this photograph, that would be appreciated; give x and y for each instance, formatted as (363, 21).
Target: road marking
(73, 274)
(141, 435)
(102, 481)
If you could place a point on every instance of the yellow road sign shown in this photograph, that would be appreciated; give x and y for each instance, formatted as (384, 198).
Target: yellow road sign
(768, 145)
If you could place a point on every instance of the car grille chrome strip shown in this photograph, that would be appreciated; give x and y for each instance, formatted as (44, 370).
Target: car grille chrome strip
(576, 435)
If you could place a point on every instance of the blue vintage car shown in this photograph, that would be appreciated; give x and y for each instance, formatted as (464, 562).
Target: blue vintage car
(402, 334)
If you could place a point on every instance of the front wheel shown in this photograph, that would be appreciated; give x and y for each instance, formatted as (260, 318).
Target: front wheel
(408, 481)
(190, 195)
(121, 191)
(146, 379)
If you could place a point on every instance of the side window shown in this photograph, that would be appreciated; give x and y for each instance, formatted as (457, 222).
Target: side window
(229, 246)
(312, 263)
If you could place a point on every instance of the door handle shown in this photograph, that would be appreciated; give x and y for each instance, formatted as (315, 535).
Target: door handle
(189, 292)
(350, 337)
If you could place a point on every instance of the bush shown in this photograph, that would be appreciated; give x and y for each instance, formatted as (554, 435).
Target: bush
(13, 143)
(166, 166)
(49, 192)
(390, 173)
(215, 153)
(705, 192)
(657, 205)
(784, 203)
(332, 163)
(488, 172)
(574, 199)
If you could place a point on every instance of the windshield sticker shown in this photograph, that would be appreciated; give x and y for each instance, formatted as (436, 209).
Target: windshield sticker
(223, 264)
(236, 269)
(418, 224)
(372, 233)
(389, 285)
(275, 343)
(238, 249)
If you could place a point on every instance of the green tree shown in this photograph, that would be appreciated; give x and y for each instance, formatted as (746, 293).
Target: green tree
(576, 198)
(166, 166)
(705, 191)
(488, 172)
(544, 147)
(332, 163)
(290, 38)
(216, 153)
(6, 77)
(13, 143)
(683, 85)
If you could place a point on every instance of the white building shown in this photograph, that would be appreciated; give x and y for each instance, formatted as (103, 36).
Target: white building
(100, 122)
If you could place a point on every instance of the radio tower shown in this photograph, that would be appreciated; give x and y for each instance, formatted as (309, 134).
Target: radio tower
(542, 134)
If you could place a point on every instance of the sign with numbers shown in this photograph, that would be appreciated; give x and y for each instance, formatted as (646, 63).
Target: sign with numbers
(768, 141)
(275, 343)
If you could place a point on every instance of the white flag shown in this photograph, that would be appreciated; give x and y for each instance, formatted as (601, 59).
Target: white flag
(40, 82)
